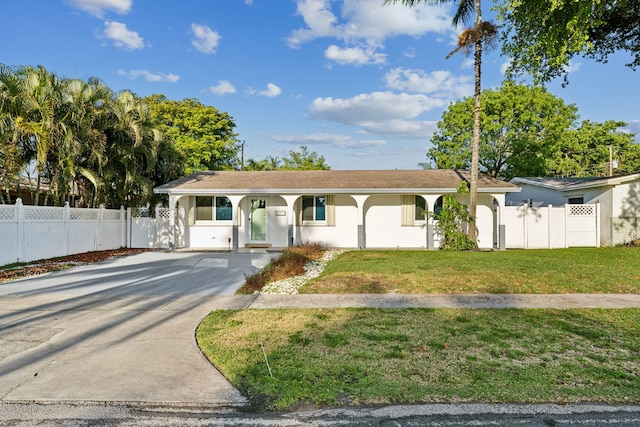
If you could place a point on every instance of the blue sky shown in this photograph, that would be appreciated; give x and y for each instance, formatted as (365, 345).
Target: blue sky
(361, 84)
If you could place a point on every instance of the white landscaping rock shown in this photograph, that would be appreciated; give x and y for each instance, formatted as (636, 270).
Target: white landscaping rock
(312, 270)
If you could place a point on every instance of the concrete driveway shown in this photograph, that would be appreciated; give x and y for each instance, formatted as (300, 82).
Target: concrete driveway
(121, 330)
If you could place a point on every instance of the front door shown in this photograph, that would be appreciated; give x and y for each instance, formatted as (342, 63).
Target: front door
(258, 220)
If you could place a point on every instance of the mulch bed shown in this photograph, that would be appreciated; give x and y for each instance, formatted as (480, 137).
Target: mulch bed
(18, 271)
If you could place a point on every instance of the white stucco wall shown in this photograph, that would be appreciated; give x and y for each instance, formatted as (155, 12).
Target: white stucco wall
(625, 217)
(344, 234)
(383, 214)
(536, 194)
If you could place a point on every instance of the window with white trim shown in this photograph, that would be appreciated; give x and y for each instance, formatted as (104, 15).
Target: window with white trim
(314, 208)
(205, 208)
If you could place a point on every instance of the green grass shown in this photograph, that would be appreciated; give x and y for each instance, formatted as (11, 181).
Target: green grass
(378, 356)
(574, 270)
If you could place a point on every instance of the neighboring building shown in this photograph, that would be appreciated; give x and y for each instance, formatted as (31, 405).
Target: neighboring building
(340, 208)
(619, 199)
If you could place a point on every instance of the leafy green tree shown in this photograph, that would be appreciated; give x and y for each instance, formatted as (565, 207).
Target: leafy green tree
(270, 163)
(473, 38)
(304, 160)
(80, 138)
(587, 151)
(542, 36)
(203, 135)
(521, 126)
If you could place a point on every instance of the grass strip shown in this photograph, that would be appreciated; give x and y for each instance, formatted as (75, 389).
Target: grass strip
(386, 356)
(555, 271)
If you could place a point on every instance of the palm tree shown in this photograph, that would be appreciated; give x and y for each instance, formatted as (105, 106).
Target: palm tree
(481, 33)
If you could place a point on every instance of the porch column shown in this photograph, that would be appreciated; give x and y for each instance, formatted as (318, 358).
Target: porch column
(362, 235)
(172, 221)
(431, 231)
(235, 234)
(290, 200)
(502, 236)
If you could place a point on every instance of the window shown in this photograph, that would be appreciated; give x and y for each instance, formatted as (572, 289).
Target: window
(576, 200)
(314, 208)
(205, 212)
(420, 208)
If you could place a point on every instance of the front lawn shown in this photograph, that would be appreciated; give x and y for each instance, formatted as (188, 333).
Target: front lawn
(574, 270)
(385, 356)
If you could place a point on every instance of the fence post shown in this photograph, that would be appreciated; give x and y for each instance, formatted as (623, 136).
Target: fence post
(525, 226)
(567, 210)
(98, 240)
(598, 224)
(66, 219)
(549, 234)
(123, 228)
(129, 225)
(20, 230)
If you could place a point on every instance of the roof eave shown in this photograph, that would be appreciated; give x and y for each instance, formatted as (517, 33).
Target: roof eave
(289, 191)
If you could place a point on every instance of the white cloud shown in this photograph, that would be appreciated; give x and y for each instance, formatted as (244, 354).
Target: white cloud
(382, 113)
(271, 91)
(98, 8)
(206, 40)
(367, 20)
(440, 83)
(354, 55)
(339, 141)
(121, 36)
(573, 67)
(503, 67)
(469, 63)
(319, 19)
(224, 87)
(149, 76)
(634, 127)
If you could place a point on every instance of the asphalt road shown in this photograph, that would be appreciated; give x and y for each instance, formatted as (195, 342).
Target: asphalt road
(466, 415)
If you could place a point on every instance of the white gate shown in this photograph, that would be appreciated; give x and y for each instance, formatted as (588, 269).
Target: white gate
(145, 231)
(582, 225)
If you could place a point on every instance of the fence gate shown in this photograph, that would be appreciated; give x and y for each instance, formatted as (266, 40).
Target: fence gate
(582, 225)
(146, 231)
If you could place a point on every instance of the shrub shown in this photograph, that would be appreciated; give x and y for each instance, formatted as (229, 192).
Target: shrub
(289, 264)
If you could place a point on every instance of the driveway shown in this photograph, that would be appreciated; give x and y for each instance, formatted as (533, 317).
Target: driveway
(121, 330)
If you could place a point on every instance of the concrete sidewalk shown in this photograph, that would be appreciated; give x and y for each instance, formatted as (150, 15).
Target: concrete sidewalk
(479, 301)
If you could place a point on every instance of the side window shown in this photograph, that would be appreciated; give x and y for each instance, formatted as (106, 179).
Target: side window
(576, 200)
(438, 207)
(223, 209)
(314, 208)
(205, 209)
(421, 206)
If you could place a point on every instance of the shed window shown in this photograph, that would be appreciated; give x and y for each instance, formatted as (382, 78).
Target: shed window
(576, 200)
(205, 209)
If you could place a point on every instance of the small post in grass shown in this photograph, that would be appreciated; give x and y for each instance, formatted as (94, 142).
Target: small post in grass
(266, 360)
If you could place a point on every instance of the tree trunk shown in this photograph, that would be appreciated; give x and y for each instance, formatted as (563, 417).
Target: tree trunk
(475, 144)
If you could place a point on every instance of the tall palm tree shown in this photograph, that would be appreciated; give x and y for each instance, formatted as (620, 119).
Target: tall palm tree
(472, 37)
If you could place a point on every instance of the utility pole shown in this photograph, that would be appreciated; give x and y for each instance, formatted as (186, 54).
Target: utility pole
(610, 161)
(242, 155)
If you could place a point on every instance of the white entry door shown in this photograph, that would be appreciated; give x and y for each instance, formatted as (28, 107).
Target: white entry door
(258, 220)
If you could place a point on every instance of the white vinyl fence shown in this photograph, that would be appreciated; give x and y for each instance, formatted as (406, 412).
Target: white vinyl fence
(552, 227)
(29, 233)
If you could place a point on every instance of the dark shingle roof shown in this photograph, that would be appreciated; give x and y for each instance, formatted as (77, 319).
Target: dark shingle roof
(337, 180)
